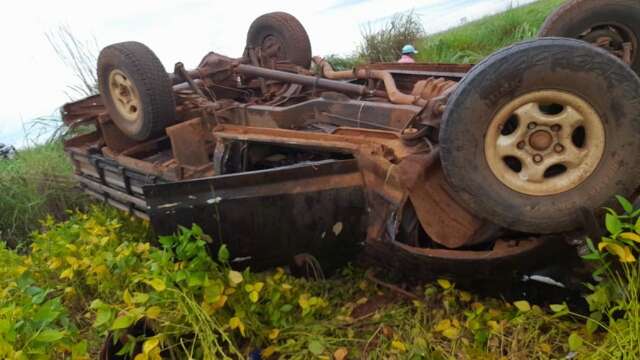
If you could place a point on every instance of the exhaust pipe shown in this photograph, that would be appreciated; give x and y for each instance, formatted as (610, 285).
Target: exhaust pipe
(306, 80)
(394, 95)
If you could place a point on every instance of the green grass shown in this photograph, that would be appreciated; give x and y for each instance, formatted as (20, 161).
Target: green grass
(472, 42)
(35, 184)
(468, 43)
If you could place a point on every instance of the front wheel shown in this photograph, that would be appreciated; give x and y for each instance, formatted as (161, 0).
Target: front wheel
(539, 131)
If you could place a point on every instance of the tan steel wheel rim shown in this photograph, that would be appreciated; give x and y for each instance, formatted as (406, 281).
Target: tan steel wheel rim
(125, 95)
(545, 143)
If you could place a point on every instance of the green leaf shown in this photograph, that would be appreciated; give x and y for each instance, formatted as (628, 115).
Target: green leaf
(97, 304)
(157, 284)
(575, 342)
(214, 289)
(49, 336)
(195, 279)
(235, 278)
(626, 205)
(40, 297)
(140, 298)
(316, 347)
(522, 305)
(103, 316)
(613, 224)
(48, 312)
(123, 322)
(451, 333)
(592, 325)
(223, 254)
(444, 283)
(557, 308)
(79, 350)
(167, 241)
(591, 257)
(5, 326)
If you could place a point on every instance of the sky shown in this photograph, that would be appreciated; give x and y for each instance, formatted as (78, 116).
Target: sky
(35, 81)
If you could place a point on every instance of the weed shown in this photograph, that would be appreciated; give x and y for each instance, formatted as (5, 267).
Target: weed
(36, 183)
(615, 300)
(100, 274)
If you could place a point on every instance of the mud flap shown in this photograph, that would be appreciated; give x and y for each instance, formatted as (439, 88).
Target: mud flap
(267, 217)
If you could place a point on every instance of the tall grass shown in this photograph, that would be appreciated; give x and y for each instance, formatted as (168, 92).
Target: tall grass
(622, 340)
(35, 184)
(473, 41)
(468, 43)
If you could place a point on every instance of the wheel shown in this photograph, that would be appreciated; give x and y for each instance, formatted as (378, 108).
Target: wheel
(613, 25)
(279, 36)
(539, 131)
(136, 90)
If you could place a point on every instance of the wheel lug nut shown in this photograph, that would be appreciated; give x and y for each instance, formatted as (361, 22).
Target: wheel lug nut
(532, 125)
(537, 158)
(521, 145)
(558, 148)
(556, 128)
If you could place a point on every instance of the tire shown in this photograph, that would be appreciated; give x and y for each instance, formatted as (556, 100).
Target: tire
(284, 30)
(136, 90)
(545, 66)
(585, 19)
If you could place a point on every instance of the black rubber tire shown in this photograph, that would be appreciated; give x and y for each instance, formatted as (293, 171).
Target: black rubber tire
(288, 30)
(152, 82)
(577, 16)
(552, 63)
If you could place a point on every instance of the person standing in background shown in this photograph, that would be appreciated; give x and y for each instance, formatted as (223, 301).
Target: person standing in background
(408, 54)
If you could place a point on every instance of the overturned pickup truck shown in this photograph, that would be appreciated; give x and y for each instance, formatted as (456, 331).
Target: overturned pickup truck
(421, 166)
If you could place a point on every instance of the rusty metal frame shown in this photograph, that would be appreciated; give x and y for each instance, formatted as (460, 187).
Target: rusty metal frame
(376, 160)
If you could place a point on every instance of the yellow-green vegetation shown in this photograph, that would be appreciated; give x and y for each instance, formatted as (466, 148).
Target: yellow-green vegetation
(97, 273)
(615, 301)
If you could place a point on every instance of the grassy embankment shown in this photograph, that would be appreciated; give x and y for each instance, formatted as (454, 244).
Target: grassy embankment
(97, 273)
(36, 184)
(472, 42)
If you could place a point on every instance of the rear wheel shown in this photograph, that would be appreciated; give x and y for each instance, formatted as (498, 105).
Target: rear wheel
(539, 131)
(279, 36)
(136, 90)
(613, 25)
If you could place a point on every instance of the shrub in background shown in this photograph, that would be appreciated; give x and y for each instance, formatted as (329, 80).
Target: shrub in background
(385, 44)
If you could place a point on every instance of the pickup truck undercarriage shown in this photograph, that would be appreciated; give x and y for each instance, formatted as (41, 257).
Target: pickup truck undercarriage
(420, 166)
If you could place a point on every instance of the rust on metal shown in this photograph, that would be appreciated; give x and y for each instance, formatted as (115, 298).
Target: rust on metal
(346, 157)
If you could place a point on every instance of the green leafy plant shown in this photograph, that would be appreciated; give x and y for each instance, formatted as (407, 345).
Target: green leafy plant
(614, 301)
